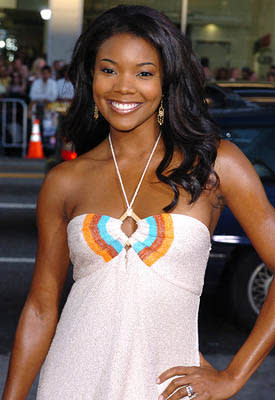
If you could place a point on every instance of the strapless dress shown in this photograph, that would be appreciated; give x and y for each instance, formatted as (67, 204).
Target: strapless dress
(132, 311)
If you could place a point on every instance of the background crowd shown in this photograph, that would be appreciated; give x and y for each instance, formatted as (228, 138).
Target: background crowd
(234, 74)
(38, 82)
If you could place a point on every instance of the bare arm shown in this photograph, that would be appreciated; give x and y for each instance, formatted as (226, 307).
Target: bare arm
(246, 198)
(245, 195)
(39, 317)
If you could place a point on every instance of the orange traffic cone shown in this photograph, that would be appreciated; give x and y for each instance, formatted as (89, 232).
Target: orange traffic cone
(35, 149)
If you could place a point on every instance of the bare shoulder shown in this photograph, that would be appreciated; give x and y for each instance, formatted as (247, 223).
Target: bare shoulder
(63, 182)
(228, 154)
(58, 178)
(63, 175)
(58, 185)
(234, 169)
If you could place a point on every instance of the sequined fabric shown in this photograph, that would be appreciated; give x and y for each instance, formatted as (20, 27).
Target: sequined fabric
(131, 314)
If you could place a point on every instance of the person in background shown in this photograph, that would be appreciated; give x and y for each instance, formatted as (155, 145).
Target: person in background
(253, 76)
(246, 74)
(17, 85)
(270, 72)
(206, 69)
(57, 67)
(19, 66)
(222, 74)
(234, 74)
(35, 73)
(9, 68)
(4, 78)
(44, 89)
(65, 89)
(37, 65)
(270, 76)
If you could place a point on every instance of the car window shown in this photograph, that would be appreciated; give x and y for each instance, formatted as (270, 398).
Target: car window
(258, 144)
(256, 93)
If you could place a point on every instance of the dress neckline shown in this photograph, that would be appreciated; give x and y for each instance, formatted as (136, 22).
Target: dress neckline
(144, 219)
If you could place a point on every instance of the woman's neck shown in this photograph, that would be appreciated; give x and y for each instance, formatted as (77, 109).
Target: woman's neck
(136, 142)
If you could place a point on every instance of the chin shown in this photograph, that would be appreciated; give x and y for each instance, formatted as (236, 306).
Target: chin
(124, 127)
(127, 126)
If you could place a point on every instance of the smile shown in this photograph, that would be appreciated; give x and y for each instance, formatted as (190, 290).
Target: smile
(124, 107)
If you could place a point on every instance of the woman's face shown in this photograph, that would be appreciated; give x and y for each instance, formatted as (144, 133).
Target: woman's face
(127, 84)
(15, 77)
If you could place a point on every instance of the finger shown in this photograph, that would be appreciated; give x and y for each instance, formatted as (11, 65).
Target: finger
(179, 394)
(178, 386)
(174, 371)
(173, 385)
(204, 362)
(199, 396)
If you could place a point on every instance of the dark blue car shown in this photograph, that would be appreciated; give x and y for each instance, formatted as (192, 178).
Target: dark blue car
(242, 275)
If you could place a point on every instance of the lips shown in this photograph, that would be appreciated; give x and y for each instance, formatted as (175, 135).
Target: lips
(123, 108)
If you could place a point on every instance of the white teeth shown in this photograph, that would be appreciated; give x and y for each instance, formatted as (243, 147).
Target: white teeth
(124, 106)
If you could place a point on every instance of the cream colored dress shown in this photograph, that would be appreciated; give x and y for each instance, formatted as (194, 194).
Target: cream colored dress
(131, 314)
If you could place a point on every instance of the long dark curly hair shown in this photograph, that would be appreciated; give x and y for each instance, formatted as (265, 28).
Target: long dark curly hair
(187, 125)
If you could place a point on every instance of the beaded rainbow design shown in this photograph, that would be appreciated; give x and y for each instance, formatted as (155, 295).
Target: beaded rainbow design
(157, 239)
(97, 237)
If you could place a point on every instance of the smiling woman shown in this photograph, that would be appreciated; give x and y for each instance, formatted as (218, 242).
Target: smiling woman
(128, 83)
(150, 49)
(146, 146)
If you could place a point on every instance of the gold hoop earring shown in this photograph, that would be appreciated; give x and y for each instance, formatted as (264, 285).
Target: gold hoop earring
(161, 113)
(96, 113)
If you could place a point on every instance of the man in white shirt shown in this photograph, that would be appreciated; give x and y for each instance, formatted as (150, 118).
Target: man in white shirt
(44, 89)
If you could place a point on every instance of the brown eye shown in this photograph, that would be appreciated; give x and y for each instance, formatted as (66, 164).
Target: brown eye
(108, 70)
(145, 74)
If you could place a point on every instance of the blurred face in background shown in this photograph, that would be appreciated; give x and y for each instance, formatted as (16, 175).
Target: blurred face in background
(271, 76)
(16, 77)
(45, 74)
(3, 71)
(235, 73)
(18, 63)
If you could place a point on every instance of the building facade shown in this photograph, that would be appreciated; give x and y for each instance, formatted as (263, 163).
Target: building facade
(230, 33)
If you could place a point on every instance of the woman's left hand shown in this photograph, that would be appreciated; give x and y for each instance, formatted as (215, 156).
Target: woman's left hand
(205, 382)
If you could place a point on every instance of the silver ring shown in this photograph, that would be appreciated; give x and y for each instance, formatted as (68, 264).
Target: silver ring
(189, 391)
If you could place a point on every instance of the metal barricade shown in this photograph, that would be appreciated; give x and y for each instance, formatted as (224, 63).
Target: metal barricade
(49, 115)
(14, 117)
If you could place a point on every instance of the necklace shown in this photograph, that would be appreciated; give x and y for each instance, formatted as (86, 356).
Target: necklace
(129, 212)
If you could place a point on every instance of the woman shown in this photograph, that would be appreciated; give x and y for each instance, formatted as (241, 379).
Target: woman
(17, 85)
(35, 72)
(138, 207)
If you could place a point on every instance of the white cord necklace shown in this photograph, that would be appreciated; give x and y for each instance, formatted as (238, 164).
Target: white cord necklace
(129, 212)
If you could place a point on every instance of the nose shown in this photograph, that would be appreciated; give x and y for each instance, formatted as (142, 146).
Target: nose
(124, 84)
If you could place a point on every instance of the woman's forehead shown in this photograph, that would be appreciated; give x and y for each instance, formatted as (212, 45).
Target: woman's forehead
(127, 46)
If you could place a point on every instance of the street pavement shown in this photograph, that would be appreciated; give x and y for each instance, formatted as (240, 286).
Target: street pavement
(20, 181)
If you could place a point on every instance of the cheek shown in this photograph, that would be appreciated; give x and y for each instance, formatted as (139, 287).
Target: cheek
(95, 87)
(152, 92)
(101, 86)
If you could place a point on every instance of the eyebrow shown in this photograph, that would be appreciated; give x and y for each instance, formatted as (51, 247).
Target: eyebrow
(138, 65)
